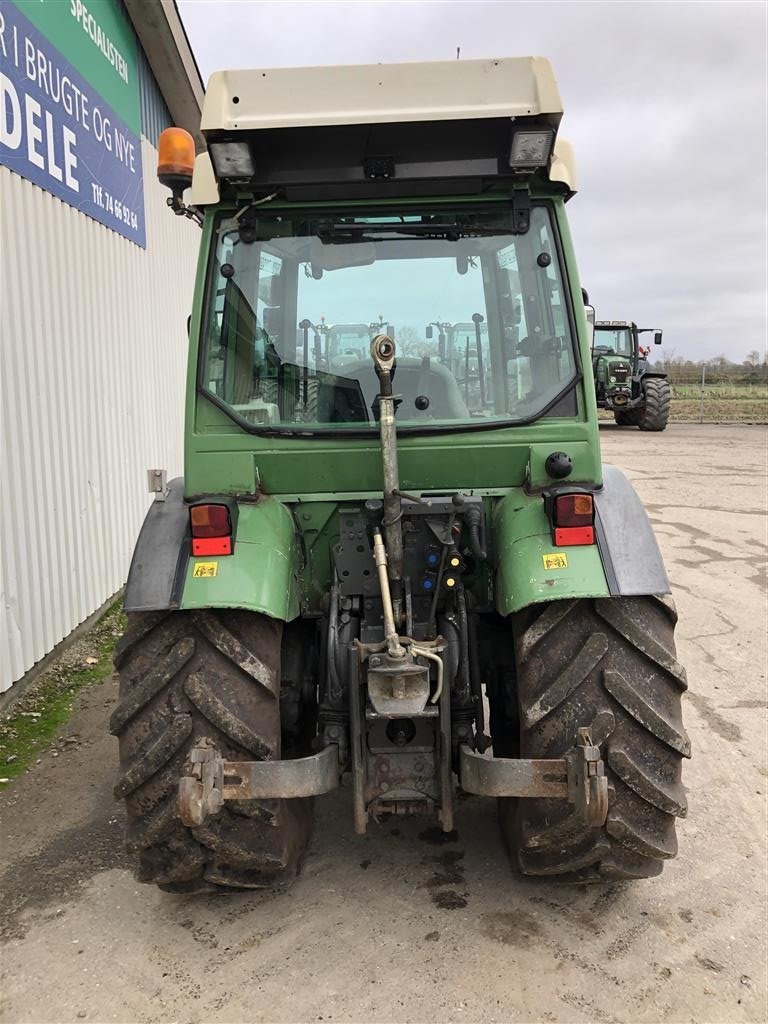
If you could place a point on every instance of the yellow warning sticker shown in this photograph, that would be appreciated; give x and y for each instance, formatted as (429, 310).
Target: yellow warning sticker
(204, 570)
(555, 560)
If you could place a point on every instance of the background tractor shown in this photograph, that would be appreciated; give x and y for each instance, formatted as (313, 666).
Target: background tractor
(349, 343)
(624, 383)
(363, 556)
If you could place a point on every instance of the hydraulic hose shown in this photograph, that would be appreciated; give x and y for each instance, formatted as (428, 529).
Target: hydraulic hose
(334, 683)
(477, 685)
(473, 517)
(464, 666)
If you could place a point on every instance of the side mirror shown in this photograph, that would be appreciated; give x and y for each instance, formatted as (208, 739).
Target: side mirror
(429, 331)
(175, 160)
(189, 325)
(589, 312)
(585, 298)
(657, 338)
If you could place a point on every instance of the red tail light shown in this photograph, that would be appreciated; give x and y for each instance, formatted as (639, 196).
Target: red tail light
(573, 518)
(574, 510)
(211, 527)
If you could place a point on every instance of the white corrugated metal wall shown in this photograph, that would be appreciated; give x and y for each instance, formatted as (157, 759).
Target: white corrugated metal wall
(92, 363)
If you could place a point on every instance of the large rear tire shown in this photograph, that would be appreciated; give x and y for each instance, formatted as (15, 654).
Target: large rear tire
(609, 664)
(655, 411)
(185, 676)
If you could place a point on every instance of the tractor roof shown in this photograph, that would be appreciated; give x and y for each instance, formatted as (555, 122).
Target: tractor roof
(381, 93)
(343, 126)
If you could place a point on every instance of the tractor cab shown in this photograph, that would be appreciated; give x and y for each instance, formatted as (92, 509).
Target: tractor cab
(614, 361)
(614, 339)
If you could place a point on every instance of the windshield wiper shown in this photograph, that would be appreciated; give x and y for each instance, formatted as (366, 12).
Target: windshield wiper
(341, 233)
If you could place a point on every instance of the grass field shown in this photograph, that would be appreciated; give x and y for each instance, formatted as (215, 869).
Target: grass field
(720, 410)
(727, 401)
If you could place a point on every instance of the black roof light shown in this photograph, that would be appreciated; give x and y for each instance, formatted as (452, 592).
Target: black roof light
(232, 160)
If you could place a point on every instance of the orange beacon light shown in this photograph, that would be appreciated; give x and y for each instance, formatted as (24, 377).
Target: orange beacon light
(175, 159)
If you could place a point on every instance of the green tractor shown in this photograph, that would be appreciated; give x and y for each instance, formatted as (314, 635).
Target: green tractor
(637, 396)
(348, 343)
(463, 348)
(381, 570)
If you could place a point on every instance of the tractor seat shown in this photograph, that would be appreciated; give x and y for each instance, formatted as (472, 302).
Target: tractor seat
(413, 377)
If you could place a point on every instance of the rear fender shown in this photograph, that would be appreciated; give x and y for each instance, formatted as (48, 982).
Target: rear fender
(625, 560)
(628, 548)
(260, 575)
(529, 568)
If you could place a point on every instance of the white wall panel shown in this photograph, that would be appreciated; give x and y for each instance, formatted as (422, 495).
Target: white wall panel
(92, 369)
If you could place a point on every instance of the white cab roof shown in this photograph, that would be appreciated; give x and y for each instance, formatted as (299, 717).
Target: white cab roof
(381, 93)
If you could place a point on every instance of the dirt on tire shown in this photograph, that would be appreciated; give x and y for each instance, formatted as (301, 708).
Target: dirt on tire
(580, 663)
(186, 676)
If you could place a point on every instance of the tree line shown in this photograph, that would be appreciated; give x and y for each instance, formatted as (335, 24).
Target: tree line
(752, 370)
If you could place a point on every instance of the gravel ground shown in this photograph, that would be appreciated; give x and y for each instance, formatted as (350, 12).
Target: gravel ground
(394, 927)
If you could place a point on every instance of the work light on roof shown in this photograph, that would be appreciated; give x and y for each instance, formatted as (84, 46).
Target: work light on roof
(232, 160)
(531, 148)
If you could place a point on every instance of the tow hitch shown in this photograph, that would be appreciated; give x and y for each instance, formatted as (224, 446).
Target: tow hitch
(210, 780)
(579, 777)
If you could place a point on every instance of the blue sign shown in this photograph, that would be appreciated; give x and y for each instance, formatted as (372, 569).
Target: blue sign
(57, 131)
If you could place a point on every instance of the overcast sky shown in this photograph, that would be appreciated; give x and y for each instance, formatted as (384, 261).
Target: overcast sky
(665, 104)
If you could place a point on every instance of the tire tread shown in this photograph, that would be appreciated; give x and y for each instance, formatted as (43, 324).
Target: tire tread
(609, 664)
(655, 411)
(184, 677)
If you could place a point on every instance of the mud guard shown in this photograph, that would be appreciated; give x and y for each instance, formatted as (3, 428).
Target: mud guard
(261, 575)
(156, 576)
(628, 547)
(625, 561)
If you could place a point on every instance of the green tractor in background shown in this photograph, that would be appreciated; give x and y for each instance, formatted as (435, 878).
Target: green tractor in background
(382, 568)
(348, 343)
(637, 396)
(463, 348)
